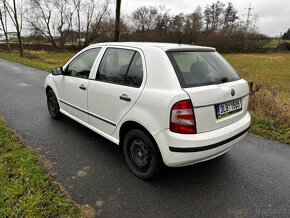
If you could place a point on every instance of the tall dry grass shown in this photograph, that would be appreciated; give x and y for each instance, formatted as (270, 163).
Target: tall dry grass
(267, 103)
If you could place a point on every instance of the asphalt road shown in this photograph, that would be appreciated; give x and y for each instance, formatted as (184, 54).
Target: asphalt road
(251, 180)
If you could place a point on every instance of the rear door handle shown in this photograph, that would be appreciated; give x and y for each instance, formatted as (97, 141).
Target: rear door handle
(82, 87)
(125, 97)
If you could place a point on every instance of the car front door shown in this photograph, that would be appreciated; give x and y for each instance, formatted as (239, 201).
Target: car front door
(118, 84)
(72, 86)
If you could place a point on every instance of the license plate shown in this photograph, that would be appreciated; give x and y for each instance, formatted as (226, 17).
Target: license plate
(228, 108)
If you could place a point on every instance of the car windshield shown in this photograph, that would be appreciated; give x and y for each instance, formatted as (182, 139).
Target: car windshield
(201, 68)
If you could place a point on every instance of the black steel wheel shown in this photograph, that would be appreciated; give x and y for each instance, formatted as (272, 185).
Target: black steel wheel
(52, 104)
(141, 155)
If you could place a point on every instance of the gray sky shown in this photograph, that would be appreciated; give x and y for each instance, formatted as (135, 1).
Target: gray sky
(274, 15)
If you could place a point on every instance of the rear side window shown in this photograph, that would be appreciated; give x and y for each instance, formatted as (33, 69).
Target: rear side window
(201, 68)
(121, 66)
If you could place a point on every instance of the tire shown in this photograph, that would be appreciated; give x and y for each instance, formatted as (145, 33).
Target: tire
(142, 157)
(52, 105)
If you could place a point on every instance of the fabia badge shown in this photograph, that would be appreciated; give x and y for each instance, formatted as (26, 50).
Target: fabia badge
(233, 92)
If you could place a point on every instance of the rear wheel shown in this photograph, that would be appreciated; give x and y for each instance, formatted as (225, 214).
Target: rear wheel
(141, 155)
(52, 104)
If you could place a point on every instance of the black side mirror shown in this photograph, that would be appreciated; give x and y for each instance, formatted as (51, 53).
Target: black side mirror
(57, 71)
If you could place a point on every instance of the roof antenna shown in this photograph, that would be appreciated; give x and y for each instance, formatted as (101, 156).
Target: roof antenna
(180, 41)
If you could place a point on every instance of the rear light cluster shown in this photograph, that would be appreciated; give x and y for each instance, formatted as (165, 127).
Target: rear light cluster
(182, 118)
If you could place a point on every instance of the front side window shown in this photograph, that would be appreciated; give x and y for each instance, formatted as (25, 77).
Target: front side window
(201, 68)
(82, 64)
(121, 66)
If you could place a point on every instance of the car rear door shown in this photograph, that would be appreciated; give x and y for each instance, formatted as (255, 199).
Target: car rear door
(72, 86)
(119, 81)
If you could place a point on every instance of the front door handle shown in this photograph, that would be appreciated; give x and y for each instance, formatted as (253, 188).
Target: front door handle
(125, 97)
(82, 87)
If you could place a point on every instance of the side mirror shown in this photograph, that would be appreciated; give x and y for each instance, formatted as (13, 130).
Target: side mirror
(57, 71)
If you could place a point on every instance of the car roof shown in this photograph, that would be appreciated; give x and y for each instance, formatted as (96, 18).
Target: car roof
(163, 46)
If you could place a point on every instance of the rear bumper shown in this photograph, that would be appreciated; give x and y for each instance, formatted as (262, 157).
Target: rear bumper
(180, 149)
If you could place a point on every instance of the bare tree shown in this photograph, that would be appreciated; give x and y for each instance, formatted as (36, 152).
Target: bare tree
(64, 24)
(193, 21)
(194, 24)
(145, 18)
(16, 12)
(207, 17)
(163, 19)
(90, 16)
(177, 27)
(3, 20)
(78, 8)
(230, 18)
(41, 18)
(95, 16)
(51, 18)
(213, 15)
(217, 12)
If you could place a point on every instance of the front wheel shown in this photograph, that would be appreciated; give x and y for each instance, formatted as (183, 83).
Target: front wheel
(52, 105)
(141, 155)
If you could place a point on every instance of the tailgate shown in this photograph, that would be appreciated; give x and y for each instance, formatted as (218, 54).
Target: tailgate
(205, 99)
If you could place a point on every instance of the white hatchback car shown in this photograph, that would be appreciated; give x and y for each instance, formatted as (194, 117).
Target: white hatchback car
(162, 103)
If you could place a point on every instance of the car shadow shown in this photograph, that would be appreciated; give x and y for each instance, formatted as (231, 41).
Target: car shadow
(211, 169)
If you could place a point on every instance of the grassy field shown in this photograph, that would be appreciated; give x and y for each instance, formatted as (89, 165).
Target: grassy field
(275, 42)
(26, 190)
(269, 106)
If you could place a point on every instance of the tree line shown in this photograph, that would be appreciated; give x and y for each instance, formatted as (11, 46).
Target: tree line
(82, 22)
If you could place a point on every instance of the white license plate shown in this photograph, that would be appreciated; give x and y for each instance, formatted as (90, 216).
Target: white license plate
(228, 108)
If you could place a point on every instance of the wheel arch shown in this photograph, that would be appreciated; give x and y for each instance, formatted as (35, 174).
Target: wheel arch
(127, 126)
(47, 89)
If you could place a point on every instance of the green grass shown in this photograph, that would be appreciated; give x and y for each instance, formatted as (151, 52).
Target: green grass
(271, 102)
(265, 126)
(26, 190)
(270, 106)
(275, 42)
(270, 70)
(40, 59)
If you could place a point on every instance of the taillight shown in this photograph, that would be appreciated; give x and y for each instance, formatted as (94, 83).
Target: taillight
(182, 118)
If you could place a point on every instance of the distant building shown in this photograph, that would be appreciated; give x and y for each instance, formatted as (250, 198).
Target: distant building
(11, 35)
(81, 40)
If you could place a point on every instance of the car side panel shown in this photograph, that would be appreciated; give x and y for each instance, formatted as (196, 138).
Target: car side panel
(152, 110)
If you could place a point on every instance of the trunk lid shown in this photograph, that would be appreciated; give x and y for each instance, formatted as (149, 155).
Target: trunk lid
(205, 98)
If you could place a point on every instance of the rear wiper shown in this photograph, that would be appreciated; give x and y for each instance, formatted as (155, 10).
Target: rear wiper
(224, 79)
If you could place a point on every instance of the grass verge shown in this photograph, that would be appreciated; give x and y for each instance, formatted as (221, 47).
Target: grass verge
(39, 59)
(26, 189)
(270, 107)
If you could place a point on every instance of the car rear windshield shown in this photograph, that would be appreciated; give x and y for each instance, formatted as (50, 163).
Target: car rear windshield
(201, 68)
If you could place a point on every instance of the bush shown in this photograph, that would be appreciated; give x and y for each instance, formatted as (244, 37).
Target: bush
(285, 46)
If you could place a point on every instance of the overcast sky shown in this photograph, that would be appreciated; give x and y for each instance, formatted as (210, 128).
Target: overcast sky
(274, 15)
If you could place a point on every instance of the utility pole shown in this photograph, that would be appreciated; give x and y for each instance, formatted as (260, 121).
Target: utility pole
(247, 26)
(117, 21)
